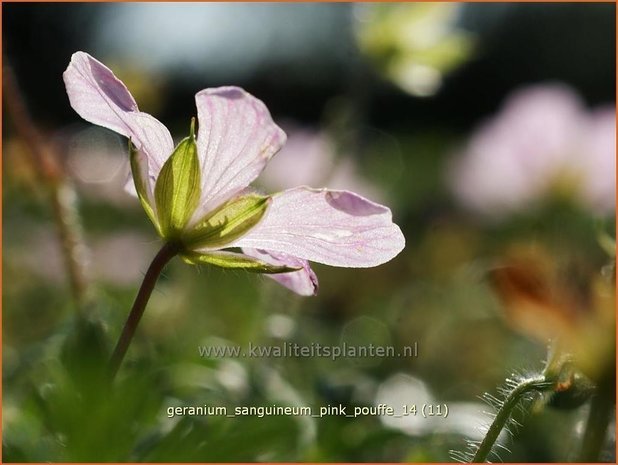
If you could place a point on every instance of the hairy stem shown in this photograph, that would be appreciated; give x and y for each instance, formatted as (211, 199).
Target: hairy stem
(44, 162)
(75, 252)
(526, 386)
(164, 255)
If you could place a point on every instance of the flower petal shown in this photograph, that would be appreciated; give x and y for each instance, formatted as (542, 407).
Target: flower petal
(99, 97)
(236, 138)
(303, 282)
(338, 228)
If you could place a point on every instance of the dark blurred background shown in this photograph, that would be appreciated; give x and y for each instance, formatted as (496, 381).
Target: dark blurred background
(297, 57)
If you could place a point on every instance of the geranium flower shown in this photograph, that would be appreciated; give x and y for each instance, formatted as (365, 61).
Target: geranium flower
(197, 193)
(543, 142)
(310, 157)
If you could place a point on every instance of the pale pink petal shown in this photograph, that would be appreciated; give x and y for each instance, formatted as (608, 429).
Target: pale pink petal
(303, 282)
(101, 98)
(336, 228)
(236, 138)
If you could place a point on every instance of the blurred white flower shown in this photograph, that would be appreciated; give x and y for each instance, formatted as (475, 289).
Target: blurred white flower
(463, 418)
(542, 142)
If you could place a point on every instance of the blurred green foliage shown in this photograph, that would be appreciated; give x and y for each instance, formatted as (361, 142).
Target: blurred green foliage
(414, 45)
(435, 293)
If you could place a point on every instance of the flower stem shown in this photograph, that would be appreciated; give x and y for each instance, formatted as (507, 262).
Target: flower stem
(167, 252)
(599, 417)
(504, 413)
(43, 158)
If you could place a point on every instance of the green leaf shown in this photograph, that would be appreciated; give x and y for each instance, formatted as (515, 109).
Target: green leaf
(139, 169)
(177, 191)
(85, 352)
(227, 223)
(226, 259)
(607, 243)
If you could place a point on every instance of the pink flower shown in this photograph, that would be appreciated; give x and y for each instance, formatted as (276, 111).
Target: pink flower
(543, 140)
(197, 194)
(309, 157)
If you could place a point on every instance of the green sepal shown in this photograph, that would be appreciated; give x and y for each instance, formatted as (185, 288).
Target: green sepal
(178, 188)
(140, 184)
(235, 260)
(227, 223)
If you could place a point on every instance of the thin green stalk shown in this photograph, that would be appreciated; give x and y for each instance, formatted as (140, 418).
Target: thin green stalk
(601, 408)
(164, 255)
(75, 252)
(44, 161)
(526, 386)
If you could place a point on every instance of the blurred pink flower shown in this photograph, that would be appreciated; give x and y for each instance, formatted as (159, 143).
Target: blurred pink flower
(236, 139)
(309, 158)
(543, 139)
(306, 158)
